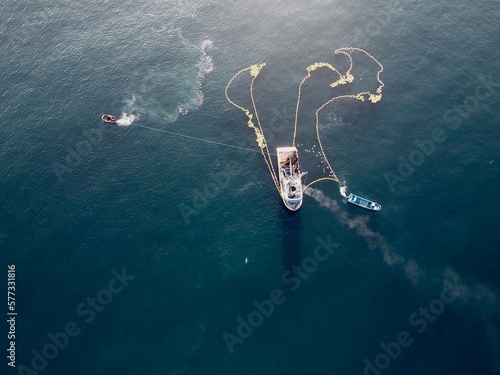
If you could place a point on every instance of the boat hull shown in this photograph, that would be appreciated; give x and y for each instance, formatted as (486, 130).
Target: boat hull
(290, 177)
(363, 202)
(109, 119)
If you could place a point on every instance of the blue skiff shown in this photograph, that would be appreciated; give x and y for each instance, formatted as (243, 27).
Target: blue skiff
(363, 202)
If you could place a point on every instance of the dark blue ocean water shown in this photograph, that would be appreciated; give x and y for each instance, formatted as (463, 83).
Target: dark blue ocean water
(83, 202)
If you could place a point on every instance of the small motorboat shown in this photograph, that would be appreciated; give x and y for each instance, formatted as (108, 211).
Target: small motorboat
(363, 202)
(108, 118)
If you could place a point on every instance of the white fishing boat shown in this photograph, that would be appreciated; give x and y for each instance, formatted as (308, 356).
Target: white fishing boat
(290, 177)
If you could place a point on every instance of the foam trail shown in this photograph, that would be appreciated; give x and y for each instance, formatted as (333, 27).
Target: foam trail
(126, 119)
(482, 297)
(486, 305)
(374, 239)
(343, 189)
(205, 66)
(415, 274)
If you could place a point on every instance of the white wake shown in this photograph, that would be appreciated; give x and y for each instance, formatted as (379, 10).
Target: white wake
(343, 189)
(126, 119)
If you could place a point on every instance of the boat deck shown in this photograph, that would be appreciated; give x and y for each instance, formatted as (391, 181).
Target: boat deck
(363, 202)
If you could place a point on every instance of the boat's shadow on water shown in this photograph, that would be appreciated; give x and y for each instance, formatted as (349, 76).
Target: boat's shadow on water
(291, 235)
(291, 231)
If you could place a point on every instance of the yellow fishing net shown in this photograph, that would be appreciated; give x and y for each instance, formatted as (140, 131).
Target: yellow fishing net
(341, 80)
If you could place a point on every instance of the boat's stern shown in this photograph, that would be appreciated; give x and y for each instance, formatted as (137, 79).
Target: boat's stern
(293, 205)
